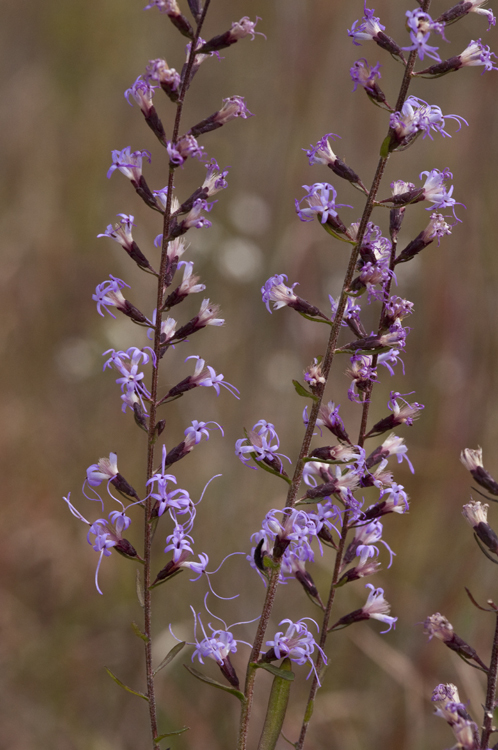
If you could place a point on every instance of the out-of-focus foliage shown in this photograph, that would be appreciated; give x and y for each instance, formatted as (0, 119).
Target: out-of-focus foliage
(65, 67)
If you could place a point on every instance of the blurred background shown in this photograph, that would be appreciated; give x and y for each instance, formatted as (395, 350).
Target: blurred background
(65, 68)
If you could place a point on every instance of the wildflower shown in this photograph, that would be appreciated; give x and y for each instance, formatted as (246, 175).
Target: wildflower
(364, 75)
(183, 148)
(179, 542)
(176, 500)
(469, 6)
(233, 106)
(376, 608)
(370, 29)
(404, 414)
(261, 444)
(437, 625)
(297, 643)
(108, 534)
(189, 285)
(281, 295)
(168, 78)
(362, 374)
(321, 203)
(420, 25)
(108, 294)
(476, 513)
(322, 153)
(437, 227)
(239, 30)
(215, 179)
(128, 163)
(476, 53)
(122, 234)
(472, 460)
(363, 545)
(203, 376)
(416, 117)
(392, 446)
(205, 317)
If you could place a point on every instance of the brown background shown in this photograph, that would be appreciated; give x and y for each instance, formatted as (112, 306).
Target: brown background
(65, 66)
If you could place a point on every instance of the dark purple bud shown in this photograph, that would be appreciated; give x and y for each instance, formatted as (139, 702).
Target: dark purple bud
(145, 193)
(126, 549)
(385, 41)
(307, 583)
(140, 416)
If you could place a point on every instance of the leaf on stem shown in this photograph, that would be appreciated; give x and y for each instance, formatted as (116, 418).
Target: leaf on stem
(169, 657)
(277, 707)
(140, 591)
(302, 391)
(138, 632)
(125, 687)
(171, 734)
(215, 683)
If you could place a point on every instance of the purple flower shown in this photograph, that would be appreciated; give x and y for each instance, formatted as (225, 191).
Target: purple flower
(261, 444)
(128, 365)
(103, 471)
(477, 53)
(418, 117)
(233, 106)
(142, 92)
(244, 27)
(297, 643)
(420, 25)
(368, 29)
(177, 501)
(377, 608)
(195, 217)
(436, 191)
(364, 75)
(108, 294)
(129, 163)
(198, 429)
(106, 534)
(183, 148)
(168, 78)
(206, 376)
(122, 232)
(320, 202)
(277, 292)
(365, 539)
(215, 178)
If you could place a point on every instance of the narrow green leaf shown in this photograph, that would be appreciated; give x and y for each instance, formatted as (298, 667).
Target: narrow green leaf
(277, 708)
(302, 391)
(317, 320)
(269, 562)
(125, 687)
(271, 471)
(169, 657)
(282, 672)
(171, 734)
(386, 144)
(163, 580)
(214, 683)
(138, 632)
(309, 711)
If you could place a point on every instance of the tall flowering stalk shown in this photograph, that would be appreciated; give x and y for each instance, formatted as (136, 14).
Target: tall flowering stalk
(335, 476)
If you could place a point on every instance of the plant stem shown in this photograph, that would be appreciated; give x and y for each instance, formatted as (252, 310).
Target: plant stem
(148, 529)
(491, 691)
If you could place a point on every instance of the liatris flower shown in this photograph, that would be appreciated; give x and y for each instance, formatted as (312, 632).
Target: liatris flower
(297, 643)
(472, 460)
(464, 7)
(281, 295)
(365, 76)
(404, 414)
(322, 153)
(233, 106)
(477, 515)
(375, 608)
(363, 544)
(437, 227)
(239, 30)
(108, 294)
(183, 148)
(420, 25)
(130, 164)
(261, 444)
(168, 78)
(122, 233)
(392, 446)
(203, 376)
(418, 117)
(476, 53)
(438, 626)
(107, 535)
(370, 29)
(449, 708)
(321, 203)
(142, 92)
(218, 647)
